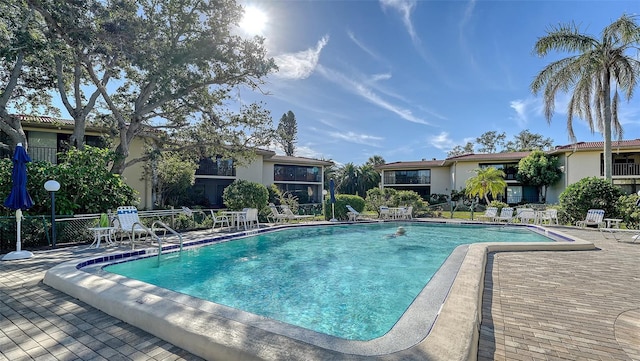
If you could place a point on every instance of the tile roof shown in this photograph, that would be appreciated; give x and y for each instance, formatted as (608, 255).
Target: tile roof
(412, 164)
(633, 143)
(298, 160)
(43, 119)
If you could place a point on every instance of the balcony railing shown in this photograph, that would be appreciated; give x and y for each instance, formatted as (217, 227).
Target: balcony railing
(625, 169)
(213, 169)
(407, 180)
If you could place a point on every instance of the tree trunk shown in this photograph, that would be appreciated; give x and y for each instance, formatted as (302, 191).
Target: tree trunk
(606, 98)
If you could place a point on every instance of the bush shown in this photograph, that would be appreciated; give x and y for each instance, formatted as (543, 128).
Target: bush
(498, 205)
(244, 194)
(86, 185)
(629, 210)
(342, 200)
(377, 197)
(590, 193)
(410, 198)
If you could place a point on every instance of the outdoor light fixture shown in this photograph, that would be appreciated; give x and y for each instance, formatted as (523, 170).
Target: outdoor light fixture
(52, 187)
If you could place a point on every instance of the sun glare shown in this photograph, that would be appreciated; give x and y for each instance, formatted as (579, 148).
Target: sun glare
(254, 21)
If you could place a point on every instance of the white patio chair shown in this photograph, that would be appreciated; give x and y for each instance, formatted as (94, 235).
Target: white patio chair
(290, 215)
(249, 218)
(129, 224)
(594, 217)
(276, 216)
(506, 214)
(353, 214)
(526, 215)
(221, 219)
(490, 213)
(385, 213)
(549, 216)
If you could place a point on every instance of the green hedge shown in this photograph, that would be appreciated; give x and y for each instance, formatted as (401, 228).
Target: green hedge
(342, 200)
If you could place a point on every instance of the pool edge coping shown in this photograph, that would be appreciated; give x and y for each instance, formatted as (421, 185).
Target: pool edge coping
(465, 294)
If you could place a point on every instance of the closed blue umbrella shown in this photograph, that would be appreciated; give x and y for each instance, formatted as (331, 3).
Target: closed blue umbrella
(332, 198)
(19, 198)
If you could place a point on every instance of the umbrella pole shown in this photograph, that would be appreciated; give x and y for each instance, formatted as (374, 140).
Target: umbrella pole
(18, 253)
(18, 230)
(333, 213)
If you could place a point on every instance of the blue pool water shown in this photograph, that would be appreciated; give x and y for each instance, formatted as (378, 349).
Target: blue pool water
(349, 281)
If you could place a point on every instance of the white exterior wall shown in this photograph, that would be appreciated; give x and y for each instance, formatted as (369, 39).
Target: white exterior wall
(440, 180)
(462, 171)
(582, 165)
(267, 173)
(251, 172)
(136, 177)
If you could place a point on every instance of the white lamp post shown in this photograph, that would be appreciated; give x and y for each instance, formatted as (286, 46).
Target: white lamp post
(52, 187)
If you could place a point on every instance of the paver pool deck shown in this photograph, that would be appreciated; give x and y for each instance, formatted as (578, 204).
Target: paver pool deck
(569, 305)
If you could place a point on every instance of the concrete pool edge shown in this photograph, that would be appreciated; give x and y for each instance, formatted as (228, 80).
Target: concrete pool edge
(454, 335)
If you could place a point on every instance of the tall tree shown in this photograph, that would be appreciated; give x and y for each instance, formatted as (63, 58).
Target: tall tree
(598, 64)
(368, 178)
(460, 150)
(527, 141)
(180, 61)
(25, 67)
(375, 160)
(287, 133)
(347, 179)
(490, 141)
(488, 181)
(539, 169)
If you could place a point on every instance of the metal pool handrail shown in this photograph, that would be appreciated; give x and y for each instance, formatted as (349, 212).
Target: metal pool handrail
(166, 228)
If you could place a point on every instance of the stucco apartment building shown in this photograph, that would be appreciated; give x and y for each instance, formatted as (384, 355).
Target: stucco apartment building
(577, 161)
(303, 177)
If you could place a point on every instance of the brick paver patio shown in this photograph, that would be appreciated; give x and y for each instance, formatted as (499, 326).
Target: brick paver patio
(537, 306)
(563, 305)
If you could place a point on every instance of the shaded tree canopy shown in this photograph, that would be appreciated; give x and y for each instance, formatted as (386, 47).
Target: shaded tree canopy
(176, 65)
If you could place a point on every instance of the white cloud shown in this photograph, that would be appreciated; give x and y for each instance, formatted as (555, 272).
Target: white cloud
(352, 137)
(362, 46)
(442, 141)
(524, 108)
(378, 77)
(405, 8)
(363, 91)
(302, 64)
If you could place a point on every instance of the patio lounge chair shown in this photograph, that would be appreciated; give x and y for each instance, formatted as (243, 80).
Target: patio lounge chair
(526, 215)
(595, 217)
(276, 216)
(490, 213)
(290, 215)
(506, 214)
(549, 216)
(353, 214)
(129, 224)
(621, 234)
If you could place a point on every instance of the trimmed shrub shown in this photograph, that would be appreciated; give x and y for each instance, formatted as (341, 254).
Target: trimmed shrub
(629, 210)
(244, 194)
(342, 200)
(590, 193)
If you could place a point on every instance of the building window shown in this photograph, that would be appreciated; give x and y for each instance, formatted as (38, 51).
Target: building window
(217, 166)
(296, 173)
(510, 169)
(422, 176)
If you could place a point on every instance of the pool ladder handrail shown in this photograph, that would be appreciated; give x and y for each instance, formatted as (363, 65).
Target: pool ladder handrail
(165, 228)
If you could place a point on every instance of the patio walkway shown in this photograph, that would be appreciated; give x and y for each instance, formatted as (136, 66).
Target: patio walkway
(537, 306)
(563, 305)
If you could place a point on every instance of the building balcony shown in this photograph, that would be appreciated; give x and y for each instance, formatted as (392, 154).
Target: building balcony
(626, 169)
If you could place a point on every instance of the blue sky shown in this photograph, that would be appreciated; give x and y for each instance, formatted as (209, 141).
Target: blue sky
(409, 80)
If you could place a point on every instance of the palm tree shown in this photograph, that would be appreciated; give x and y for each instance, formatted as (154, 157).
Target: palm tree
(598, 65)
(347, 179)
(487, 181)
(368, 178)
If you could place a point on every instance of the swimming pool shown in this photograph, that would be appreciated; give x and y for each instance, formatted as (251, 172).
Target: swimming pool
(441, 323)
(351, 281)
